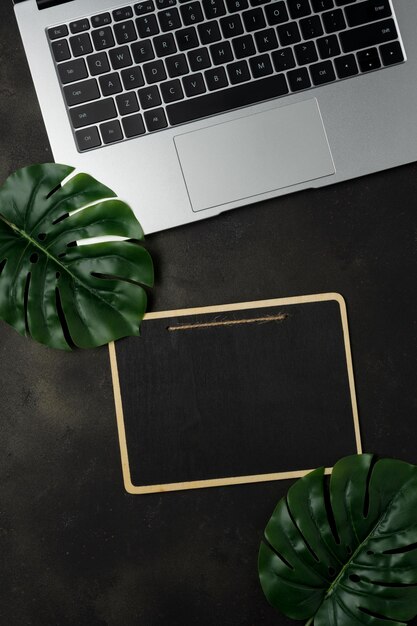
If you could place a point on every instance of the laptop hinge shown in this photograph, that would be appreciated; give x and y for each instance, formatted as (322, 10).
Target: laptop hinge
(46, 4)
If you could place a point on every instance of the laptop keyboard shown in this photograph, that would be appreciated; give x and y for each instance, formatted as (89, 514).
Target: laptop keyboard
(156, 64)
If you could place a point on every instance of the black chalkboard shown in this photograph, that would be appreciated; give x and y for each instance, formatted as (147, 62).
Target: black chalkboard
(238, 393)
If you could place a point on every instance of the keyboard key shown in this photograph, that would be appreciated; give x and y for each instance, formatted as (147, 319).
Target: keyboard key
(341, 3)
(61, 50)
(143, 51)
(81, 92)
(333, 21)
(236, 5)
(133, 78)
(306, 53)
(299, 8)
(199, 59)
(238, 72)
(169, 20)
(266, 40)
(243, 46)
(221, 53)
(261, 66)
(191, 13)
(391, 53)
(276, 13)
(346, 66)
(187, 38)
(233, 98)
(209, 32)
(231, 26)
(172, 90)
(288, 34)
(57, 32)
(165, 4)
(299, 79)
(214, 8)
(283, 59)
(141, 8)
(103, 38)
(133, 126)
(370, 35)
(72, 71)
(369, 60)
(79, 26)
(93, 113)
(216, 78)
(127, 103)
(125, 32)
(88, 138)
(366, 12)
(177, 65)
(149, 97)
(193, 85)
(155, 120)
(154, 71)
(120, 57)
(254, 19)
(98, 63)
(147, 26)
(111, 132)
(311, 27)
(101, 20)
(322, 5)
(122, 14)
(81, 45)
(328, 47)
(110, 84)
(164, 44)
(322, 73)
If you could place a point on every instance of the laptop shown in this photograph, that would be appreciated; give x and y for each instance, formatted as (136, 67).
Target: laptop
(187, 108)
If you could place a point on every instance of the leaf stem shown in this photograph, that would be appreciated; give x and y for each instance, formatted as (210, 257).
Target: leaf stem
(310, 621)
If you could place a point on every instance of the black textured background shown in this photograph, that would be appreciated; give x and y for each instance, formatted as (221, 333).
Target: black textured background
(78, 551)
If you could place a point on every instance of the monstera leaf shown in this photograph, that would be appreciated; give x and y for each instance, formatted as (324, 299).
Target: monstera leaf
(345, 556)
(60, 293)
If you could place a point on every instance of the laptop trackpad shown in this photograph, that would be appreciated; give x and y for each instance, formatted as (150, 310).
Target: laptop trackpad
(254, 154)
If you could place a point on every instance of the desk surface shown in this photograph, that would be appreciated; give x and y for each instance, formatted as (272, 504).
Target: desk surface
(77, 550)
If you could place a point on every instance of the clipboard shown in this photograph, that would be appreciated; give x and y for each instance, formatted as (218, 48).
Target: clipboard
(235, 393)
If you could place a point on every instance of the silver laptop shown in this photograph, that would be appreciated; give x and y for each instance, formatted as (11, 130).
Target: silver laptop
(187, 108)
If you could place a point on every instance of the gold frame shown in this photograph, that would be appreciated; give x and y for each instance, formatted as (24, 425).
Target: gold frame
(237, 480)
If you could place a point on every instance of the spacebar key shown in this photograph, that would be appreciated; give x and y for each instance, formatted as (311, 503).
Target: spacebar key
(93, 113)
(227, 99)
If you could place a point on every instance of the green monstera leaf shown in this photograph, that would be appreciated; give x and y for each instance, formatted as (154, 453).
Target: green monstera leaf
(60, 293)
(347, 555)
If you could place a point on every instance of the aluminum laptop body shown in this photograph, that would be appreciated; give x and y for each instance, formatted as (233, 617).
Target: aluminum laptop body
(185, 158)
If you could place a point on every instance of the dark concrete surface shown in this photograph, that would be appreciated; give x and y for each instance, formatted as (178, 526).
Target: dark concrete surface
(78, 551)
